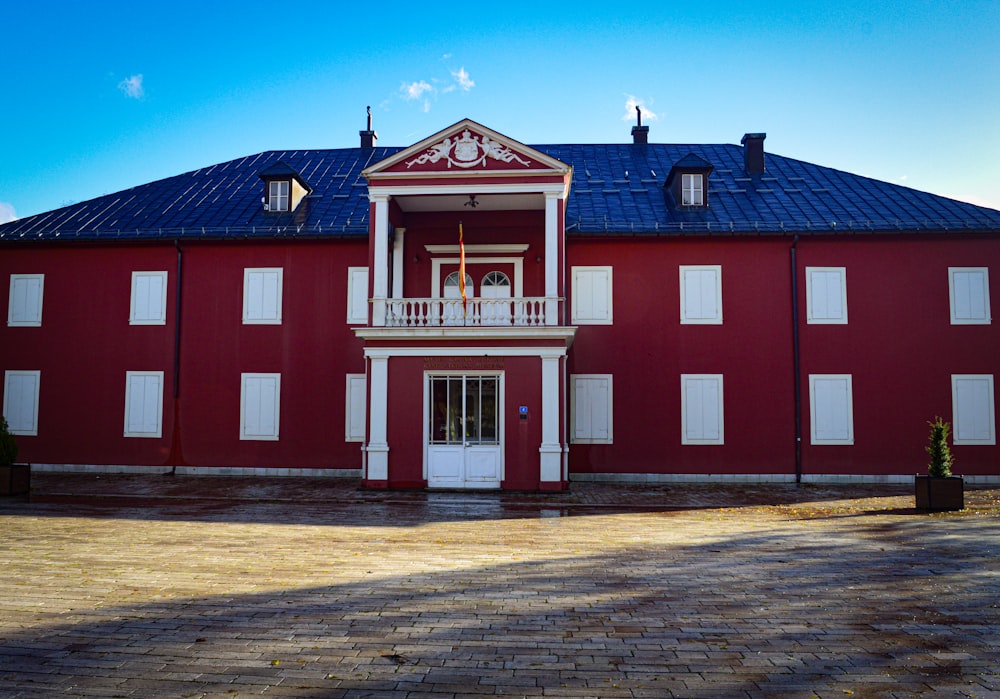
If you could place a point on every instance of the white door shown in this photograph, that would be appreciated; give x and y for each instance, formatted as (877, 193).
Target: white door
(453, 311)
(496, 285)
(463, 441)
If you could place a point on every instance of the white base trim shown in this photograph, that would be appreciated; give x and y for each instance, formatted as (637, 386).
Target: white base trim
(200, 470)
(737, 478)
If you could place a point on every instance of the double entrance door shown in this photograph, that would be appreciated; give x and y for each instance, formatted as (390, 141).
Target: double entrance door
(464, 431)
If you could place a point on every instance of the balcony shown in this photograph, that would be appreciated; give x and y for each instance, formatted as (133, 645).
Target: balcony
(478, 312)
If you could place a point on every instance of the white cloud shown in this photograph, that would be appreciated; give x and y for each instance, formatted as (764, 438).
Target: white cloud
(7, 212)
(462, 78)
(132, 86)
(416, 90)
(631, 102)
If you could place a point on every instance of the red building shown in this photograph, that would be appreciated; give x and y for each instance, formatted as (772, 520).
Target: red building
(631, 311)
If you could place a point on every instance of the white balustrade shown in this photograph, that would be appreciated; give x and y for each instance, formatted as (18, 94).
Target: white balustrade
(425, 312)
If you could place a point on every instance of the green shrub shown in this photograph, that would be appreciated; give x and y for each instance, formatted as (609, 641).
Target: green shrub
(8, 448)
(941, 457)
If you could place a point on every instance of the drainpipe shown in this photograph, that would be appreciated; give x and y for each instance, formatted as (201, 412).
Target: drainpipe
(796, 361)
(176, 456)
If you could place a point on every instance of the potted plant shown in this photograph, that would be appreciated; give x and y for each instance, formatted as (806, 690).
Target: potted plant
(939, 489)
(15, 479)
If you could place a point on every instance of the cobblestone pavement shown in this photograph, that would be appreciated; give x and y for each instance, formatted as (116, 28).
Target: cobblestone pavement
(152, 586)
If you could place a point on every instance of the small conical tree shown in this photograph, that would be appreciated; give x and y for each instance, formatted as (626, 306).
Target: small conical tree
(941, 457)
(8, 448)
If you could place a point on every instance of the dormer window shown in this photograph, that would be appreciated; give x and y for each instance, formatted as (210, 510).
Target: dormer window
(686, 182)
(284, 189)
(692, 191)
(277, 195)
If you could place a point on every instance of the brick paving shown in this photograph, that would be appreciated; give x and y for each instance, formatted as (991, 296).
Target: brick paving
(153, 586)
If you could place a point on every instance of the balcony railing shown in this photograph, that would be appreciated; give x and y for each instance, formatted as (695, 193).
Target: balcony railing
(423, 313)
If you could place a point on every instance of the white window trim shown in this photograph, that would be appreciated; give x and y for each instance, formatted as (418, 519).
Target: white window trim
(244, 435)
(692, 189)
(357, 283)
(247, 272)
(991, 408)
(31, 430)
(685, 439)
(707, 320)
(158, 375)
(30, 322)
(353, 383)
(955, 320)
(575, 314)
(813, 378)
(611, 402)
(161, 316)
(812, 317)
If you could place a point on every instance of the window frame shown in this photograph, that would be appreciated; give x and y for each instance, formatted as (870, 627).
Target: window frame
(814, 416)
(160, 317)
(129, 399)
(275, 199)
(959, 425)
(812, 317)
(26, 322)
(590, 437)
(685, 406)
(692, 189)
(985, 318)
(583, 276)
(14, 426)
(248, 273)
(274, 435)
(715, 319)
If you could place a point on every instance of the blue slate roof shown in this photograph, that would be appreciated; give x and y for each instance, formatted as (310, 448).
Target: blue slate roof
(618, 189)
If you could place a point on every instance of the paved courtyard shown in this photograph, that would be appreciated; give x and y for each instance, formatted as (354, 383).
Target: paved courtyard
(154, 586)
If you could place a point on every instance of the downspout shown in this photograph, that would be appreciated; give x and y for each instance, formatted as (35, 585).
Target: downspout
(797, 381)
(176, 457)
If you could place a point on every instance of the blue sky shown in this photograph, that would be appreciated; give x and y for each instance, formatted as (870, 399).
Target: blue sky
(102, 96)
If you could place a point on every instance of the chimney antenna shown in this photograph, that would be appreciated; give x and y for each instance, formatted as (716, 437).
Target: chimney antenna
(638, 116)
(369, 110)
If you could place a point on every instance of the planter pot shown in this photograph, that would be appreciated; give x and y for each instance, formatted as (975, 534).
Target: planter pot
(939, 494)
(15, 479)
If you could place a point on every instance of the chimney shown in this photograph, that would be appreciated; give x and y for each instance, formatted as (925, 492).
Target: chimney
(640, 133)
(753, 153)
(368, 137)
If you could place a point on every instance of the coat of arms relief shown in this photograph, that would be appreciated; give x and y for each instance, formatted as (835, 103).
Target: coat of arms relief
(467, 151)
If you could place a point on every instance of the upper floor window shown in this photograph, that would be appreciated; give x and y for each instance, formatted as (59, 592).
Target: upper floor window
(20, 401)
(24, 308)
(592, 297)
(826, 295)
(692, 190)
(262, 296)
(148, 305)
(277, 195)
(701, 294)
(969, 294)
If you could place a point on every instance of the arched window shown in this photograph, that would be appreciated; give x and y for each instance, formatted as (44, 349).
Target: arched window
(451, 290)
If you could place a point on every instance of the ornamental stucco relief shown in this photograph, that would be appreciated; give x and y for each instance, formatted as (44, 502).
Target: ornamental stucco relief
(468, 151)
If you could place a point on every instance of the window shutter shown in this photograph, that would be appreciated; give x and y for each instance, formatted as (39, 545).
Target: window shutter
(260, 408)
(357, 295)
(20, 401)
(969, 295)
(832, 421)
(356, 408)
(702, 407)
(972, 405)
(592, 409)
(701, 294)
(826, 295)
(25, 305)
(262, 296)
(144, 404)
(592, 295)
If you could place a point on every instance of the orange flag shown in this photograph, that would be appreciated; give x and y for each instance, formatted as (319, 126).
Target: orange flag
(461, 269)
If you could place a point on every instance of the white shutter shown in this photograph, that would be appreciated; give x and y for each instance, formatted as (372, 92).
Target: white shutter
(701, 294)
(970, 296)
(262, 296)
(260, 406)
(973, 409)
(826, 295)
(20, 401)
(832, 413)
(592, 295)
(356, 408)
(144, 404)
(357, 295)
(149, 295)
(592, 401)
(701, 409)
(25, 305)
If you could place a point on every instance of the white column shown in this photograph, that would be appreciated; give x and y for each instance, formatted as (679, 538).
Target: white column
(397, 264)
(551, 449)
(380, 273)
(378, 411)
(552, 203)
